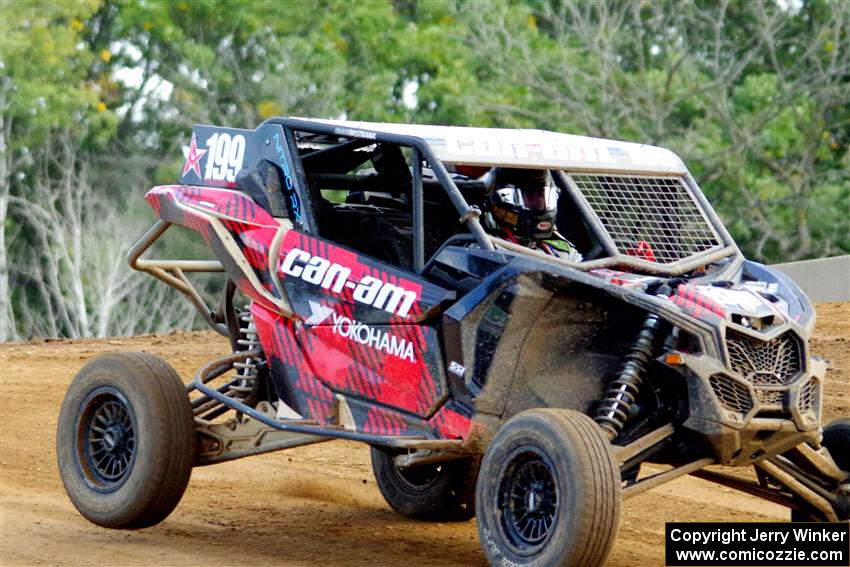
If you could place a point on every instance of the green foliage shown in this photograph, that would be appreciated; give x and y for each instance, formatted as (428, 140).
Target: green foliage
(752, 95)
(46, 84)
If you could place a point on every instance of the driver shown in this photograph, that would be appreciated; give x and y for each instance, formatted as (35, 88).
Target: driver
(523, 205)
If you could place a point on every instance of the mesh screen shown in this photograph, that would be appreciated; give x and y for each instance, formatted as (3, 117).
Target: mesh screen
(732, 394)
(808, 396)
(770, 397)
(654, 218)
(764, 363)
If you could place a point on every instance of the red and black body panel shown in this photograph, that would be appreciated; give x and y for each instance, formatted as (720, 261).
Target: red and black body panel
(362, 321)
(361, 328)
(309, 376)
(217, 213)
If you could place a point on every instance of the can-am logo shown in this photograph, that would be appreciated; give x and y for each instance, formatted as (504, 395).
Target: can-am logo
(362, 333)
(328, 275)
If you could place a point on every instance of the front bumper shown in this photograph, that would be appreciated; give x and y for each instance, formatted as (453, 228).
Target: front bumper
(745, 422)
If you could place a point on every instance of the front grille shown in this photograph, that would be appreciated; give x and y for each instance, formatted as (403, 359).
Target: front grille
(732, 394)
(808, 396)
(654, 218)
(770, 397)
(764, 363)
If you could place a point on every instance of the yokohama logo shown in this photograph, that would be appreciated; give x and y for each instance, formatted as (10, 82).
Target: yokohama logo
(362, 333)
(335, 278)
(373, 338)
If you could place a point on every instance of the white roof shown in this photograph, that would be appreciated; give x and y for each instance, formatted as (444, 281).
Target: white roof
(526, 148)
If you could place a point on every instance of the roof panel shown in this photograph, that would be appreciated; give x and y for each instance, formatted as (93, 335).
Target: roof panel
(526, 148)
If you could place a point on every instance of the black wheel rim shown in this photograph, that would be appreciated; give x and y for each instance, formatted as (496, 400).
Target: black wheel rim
(419, 478)
(528, 499)
(106, 439)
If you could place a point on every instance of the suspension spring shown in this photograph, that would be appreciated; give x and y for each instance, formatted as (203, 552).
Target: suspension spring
(246, 372)
(615, 407)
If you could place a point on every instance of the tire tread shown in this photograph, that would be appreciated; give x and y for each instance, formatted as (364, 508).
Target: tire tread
(595, 487)
(451, 498)
(170, 438)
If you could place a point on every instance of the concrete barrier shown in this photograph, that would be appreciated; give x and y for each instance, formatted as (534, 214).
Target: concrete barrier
(824, 279)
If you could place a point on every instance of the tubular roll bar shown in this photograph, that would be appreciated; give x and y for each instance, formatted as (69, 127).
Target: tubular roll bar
(467, 214)
(172, 273)
(470, 214)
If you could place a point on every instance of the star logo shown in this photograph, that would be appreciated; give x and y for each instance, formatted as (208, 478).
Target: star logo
(193, 157)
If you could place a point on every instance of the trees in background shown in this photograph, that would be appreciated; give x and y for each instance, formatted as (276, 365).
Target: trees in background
(44, 92)
(65, 182)
(755, 97)
(97, 97)
(75, 272)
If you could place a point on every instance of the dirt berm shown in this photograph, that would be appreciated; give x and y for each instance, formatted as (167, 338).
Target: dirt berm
(308, 506)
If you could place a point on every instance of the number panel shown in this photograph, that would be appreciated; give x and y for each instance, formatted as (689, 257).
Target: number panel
(215, 156)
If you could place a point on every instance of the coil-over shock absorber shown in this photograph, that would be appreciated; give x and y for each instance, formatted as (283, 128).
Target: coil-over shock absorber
(247, 371)
(616, 406)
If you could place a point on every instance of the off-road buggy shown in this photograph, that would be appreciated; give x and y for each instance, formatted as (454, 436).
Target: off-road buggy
(364, 300)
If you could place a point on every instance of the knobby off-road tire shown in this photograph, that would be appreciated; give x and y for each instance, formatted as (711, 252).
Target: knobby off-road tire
(836, 438)
(125, 440)
(442, 491)
(548, 492)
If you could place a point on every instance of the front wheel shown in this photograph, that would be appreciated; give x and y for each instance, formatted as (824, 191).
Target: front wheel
(548, 492)
(836, 439)
(125, 440)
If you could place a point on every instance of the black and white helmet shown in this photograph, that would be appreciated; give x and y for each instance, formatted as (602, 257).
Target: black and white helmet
(524, 202)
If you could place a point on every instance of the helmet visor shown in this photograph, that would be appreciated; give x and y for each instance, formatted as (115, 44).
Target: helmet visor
(534, 198)
(541, 198)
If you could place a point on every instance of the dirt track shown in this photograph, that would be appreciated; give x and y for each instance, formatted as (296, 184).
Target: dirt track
(316, 504)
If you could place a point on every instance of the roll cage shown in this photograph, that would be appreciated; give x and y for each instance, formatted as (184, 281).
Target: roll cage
(421, 151)
(602, 247)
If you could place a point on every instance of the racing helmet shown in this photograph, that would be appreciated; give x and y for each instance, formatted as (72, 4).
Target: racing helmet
(524, 202)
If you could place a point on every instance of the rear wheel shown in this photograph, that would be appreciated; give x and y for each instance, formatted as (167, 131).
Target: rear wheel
(437, 491)
(125, 440)
(548, 492)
